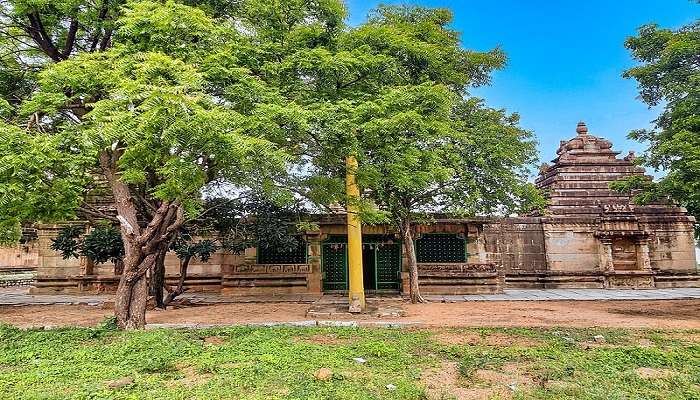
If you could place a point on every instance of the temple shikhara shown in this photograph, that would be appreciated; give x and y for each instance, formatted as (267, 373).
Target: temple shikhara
(587, 237)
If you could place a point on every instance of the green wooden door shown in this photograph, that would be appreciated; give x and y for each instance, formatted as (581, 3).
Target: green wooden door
(388, 266)
(385, 263)
(334, 258)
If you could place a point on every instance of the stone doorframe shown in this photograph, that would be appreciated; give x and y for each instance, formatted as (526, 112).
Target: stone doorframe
(641, 243)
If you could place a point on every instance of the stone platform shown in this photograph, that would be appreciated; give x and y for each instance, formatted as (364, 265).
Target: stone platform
(337, 307)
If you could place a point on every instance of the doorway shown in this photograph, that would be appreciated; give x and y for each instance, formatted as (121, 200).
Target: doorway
(381, 263)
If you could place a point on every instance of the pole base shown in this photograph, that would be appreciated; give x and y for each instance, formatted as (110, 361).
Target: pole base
(355, 304)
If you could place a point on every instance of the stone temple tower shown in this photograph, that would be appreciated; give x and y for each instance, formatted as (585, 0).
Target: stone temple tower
(590, 229)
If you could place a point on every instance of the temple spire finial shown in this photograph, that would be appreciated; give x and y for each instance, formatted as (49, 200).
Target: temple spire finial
(581, 128)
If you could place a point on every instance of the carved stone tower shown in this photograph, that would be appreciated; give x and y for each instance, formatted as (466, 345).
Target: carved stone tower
(589, 227)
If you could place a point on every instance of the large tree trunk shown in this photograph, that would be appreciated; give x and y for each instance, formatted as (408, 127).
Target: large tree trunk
(181, 283)
(410, 250)
(132, 294)
(141, 245)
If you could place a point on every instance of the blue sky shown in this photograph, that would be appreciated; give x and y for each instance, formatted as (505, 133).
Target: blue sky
(565, 60)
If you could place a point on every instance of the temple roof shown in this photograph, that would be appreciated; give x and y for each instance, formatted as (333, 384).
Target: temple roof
(585, 148)
(578, 181)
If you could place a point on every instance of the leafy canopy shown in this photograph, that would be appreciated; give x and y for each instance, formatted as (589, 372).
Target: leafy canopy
(669, 75)
(177, 101)
(394, 93)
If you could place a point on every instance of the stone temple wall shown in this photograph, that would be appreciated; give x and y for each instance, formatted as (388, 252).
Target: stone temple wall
(19, 256)
(587, 237)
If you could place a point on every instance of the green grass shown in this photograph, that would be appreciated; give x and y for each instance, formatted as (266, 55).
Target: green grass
(279, 363)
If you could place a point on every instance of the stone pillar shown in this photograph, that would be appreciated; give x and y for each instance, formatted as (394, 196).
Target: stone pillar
(87, 266)
(250, 256)
(314, 282)
(643, 260)
(606, 257)
(476, 247)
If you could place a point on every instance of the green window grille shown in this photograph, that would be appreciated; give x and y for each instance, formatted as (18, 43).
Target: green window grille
(273, 255)
(436, 248)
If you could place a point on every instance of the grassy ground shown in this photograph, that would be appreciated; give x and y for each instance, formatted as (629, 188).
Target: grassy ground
(271, 363)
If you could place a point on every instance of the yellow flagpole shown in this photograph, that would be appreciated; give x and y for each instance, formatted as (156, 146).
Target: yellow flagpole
(356, 292)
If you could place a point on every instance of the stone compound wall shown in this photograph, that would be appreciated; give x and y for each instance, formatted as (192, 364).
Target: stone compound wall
(18, 264)
(20, 256)
(55, 274)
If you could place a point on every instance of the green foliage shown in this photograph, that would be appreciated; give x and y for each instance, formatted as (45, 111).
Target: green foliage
(423, 144)
(307, 226)
(394, 93)
(202, 249)
(253, 220)
(108, 324)
(172, 28)
(170, 98)
(10, 231)
(669, 75)
(41, 176)
(192, 96)
(101, 244)
(67, 241)
(265, 363)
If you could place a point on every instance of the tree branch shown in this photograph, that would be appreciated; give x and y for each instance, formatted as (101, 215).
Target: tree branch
(126, 212)
(160, 216)
(132, 276)
(70, 38)
(101, 17)
(38, 33)
(89, 210)
(106, 39)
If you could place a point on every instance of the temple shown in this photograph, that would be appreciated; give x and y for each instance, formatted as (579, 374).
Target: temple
(587, 237)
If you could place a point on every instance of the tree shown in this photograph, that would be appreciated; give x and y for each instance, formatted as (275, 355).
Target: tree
(56, 29)
(176, 99)
(233, 224)
(394, 93)
(669, 75)
(423, 151)
(186, 250)
(158, 116)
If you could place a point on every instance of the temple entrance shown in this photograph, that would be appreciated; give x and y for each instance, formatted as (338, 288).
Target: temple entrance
(381, 263)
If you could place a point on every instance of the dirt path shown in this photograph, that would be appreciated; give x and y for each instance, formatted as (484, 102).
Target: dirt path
(666, 314)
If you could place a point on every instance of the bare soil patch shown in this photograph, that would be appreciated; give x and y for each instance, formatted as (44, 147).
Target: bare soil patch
(215, 340)
(191, 376)
(654, 373)
(445, 382)
(54, 315)
(509, 377)
(667, 314)
(693, 338)
(674, 314)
